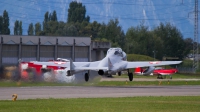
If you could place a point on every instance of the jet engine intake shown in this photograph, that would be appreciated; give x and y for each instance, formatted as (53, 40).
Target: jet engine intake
(101, 72)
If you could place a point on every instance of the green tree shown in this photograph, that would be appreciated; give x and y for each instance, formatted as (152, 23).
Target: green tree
(53, 27)
(46, 17)
(49, 17)
(173, 43)
(95, 29)
(188, 46)
(18, 28)
(112, 32)
(54, 16)
(38, 29)
(46, 20)
(50, 24)
(31, 29)
(6, 29)
(70, 30)
(76, 13)
(102, 32)
(140, 40)
(60, 31)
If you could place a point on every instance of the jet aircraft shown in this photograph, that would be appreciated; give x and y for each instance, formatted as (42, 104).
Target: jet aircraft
(114, 62)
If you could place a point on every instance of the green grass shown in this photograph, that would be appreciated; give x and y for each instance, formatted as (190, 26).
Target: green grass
(29, 84)
(186, 76)
(4, 83)
(103, 83)
(175, 76)
(147, 83)
(127, 104)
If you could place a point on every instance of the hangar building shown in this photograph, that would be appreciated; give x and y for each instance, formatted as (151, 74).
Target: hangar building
(44, 48)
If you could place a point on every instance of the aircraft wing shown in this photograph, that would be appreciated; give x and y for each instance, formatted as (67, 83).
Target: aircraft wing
(78, 65)
(153, 63)
(91, 68)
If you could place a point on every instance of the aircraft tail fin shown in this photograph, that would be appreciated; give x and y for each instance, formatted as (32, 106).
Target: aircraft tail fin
(71, 65)
(110, 65)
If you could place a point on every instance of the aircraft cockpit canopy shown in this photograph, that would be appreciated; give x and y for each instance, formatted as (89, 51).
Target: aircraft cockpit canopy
(116, 51)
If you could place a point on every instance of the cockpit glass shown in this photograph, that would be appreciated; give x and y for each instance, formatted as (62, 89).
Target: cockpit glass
(116, 52)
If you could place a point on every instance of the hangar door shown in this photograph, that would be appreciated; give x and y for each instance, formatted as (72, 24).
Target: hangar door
(64, 52)
(10, 54)
(29, 53)
(47, 52)
(82, 53)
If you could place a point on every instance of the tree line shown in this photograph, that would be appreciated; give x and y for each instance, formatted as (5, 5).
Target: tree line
(163, 40)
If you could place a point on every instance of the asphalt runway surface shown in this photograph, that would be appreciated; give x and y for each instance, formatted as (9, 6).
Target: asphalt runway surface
(96, 92)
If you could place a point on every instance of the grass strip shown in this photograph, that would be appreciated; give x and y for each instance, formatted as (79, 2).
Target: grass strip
(103, 83)
(126, 104)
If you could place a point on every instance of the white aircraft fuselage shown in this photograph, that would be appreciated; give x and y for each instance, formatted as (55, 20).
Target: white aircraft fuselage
(115, 60)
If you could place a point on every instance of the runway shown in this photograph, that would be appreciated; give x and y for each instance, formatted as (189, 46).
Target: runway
(92, 91)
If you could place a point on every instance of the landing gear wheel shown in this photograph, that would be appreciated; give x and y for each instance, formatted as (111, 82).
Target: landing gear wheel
(130, 76)
(86, 77)
(159, 77)
(119, 73)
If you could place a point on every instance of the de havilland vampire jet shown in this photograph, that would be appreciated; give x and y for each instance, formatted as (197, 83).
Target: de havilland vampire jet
(114, 62)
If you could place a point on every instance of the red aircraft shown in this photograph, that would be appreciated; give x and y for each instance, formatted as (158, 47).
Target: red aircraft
(161, 71)
(155, 71)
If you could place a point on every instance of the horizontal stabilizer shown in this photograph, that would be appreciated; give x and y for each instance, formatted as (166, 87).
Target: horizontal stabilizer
(58, 64)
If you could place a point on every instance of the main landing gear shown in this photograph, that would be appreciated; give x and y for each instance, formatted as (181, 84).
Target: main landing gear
(119, 73)
(130, 76)
(163, 77)
(159, 77)
(86, 77)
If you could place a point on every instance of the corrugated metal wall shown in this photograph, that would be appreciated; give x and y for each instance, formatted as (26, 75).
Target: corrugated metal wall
(81, 53)
(44, 48)
(47, 52)
(29, 52)
(64, 52)
(10, 54)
